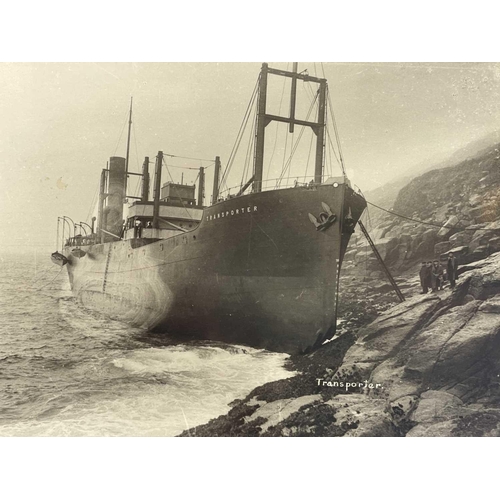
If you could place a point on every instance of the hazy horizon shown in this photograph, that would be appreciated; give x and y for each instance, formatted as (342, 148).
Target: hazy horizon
(61, 122)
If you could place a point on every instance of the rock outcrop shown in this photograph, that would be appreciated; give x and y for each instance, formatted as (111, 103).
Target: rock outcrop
(459, 207)
(429, 366)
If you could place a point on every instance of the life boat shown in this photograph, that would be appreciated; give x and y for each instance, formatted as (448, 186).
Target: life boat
(59, 259)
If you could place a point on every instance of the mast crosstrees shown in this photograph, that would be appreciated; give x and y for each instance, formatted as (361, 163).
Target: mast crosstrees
(263, 119)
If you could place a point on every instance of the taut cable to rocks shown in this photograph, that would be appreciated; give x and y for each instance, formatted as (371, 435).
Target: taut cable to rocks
(462, 228)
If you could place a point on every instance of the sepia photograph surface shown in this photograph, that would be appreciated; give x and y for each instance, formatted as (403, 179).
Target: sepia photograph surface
(264, 249)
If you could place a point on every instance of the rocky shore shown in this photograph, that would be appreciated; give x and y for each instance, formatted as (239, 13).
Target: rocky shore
(429, 366)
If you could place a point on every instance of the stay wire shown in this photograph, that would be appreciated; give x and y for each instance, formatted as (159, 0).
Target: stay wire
(240, 133)
(93, 203)
(121, 133)
(285, 167)
(248, 156)
(277, 125)
(189, 158)
(462, 228)
(337, 137)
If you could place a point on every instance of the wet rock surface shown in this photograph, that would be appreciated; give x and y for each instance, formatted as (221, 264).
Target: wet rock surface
(429, 366)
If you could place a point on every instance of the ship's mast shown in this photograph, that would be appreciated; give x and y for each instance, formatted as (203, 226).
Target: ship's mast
(128, 148)
(157, 190)
(201, 187)
(263, 119)
(215, 192)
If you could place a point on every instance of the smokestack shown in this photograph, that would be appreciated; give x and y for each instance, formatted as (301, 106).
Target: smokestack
(100, 209)
(116, 194)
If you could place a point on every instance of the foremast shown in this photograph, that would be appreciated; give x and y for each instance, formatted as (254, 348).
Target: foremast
(263, 119)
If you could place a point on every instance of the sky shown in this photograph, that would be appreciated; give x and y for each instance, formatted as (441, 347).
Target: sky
(60, 123)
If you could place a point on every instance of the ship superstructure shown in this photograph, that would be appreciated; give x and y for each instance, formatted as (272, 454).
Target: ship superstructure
(259, 267)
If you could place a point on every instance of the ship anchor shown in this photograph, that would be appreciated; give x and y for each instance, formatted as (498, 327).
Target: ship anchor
(325, 218)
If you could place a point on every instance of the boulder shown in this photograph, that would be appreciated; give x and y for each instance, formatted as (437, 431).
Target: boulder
(442, 247)
(483, 213)
(397, 256)
(475, 227)
(448, 227)
(350, 255)
(495, 244)
(407, 239)
(424, 250)
(459, 252)
(480, 253)
(460, 239)
(430, 234)
(362, 255)
(475, 199)
(481, 238)
(385, 245)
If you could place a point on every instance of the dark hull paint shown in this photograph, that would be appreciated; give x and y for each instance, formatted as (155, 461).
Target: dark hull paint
(255, 271)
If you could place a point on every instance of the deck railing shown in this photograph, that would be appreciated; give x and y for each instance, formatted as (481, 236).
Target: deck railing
(269, 185)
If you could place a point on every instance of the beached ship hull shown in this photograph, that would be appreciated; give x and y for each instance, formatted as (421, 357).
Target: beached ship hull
(256, 271)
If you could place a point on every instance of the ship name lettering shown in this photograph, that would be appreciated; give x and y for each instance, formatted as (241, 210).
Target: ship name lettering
(236, 211)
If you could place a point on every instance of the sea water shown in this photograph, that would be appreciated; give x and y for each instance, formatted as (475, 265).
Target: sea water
(68, 371)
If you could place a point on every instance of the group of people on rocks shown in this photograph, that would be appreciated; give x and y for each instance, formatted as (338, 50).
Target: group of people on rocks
(433, 274)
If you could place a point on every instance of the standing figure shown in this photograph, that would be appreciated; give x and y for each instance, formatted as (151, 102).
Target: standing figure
(451, 269)
(138, 228)
(437, 276)
(429, 274)
(425, 274)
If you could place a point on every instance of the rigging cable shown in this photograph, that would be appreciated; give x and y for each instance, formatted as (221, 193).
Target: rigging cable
(462, 228)
(309, 155)
(277, 125)
(285, 167)
(189, 158)
(251, 140)
(121, 133)
(240, 134)
(188, 168)
(93, 204)
(336, 134)
(330, 105)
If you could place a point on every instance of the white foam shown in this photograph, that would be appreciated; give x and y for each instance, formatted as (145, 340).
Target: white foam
(199, 384)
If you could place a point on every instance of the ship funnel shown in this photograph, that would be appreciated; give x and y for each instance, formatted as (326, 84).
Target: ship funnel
(113, 213)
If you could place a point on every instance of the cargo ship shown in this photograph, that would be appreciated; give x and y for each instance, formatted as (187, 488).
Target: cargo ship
(258, 268)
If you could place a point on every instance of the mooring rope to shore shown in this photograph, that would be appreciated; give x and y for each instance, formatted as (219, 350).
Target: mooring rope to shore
(441, 226)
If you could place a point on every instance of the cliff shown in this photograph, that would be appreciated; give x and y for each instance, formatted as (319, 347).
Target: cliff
(464, 198)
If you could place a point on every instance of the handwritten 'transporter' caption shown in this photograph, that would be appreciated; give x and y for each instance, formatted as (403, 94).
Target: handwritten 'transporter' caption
(348, 385)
